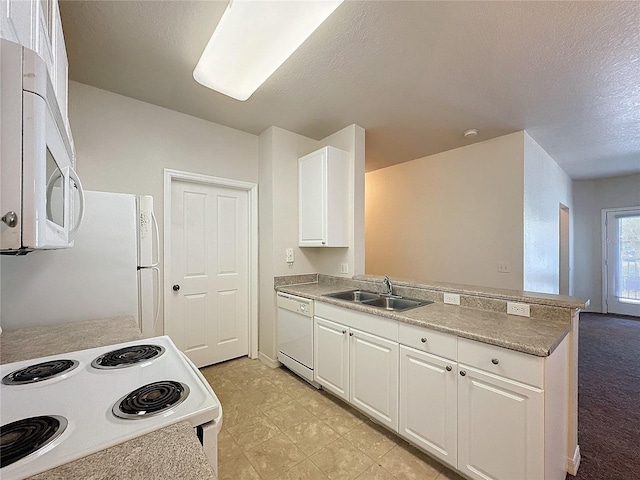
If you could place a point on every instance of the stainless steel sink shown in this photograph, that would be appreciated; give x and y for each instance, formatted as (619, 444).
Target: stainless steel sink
(355, 295)
(396, 304)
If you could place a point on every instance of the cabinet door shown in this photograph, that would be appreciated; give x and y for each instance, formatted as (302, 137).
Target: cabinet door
(312, 199)
(41, 37)
(331, 357)
(60, 73)
(374, 377)
(16, 21)
(429, 403)
(500, 427)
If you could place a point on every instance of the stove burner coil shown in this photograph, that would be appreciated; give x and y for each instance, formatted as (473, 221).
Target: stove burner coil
(127, 356)
(39, 372)
(21, 438)
(152, 399)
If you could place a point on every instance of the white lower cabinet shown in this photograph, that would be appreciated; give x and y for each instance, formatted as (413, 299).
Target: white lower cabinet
(358, 367)
(331, 356)
(489, 412)
(500, 427)
(374, 377)
(428, 403)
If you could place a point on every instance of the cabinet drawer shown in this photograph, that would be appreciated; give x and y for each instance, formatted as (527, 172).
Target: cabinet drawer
(507, 363)
(426, 340)
(366, 322)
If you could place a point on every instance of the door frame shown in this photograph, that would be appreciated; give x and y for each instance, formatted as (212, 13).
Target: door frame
(564, 250)
(171, 175)
(604, 263)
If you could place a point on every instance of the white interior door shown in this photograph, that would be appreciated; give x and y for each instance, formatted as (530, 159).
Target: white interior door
(208, 302)
(622, 261)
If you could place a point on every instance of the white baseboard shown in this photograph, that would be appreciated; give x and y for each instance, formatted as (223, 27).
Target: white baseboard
(574, 463)
(268, 361)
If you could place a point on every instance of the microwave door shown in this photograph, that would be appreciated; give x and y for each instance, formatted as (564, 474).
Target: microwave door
(46, 164)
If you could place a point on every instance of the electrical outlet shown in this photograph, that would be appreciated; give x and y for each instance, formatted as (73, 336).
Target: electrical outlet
(452, 298)
(344, 268)
(521, 309)
(504, 267)
(289, 255)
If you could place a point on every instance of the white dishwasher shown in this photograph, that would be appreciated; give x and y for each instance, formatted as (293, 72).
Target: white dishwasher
(295, 334)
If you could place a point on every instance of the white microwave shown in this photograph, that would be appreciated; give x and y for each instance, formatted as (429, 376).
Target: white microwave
(41, 197)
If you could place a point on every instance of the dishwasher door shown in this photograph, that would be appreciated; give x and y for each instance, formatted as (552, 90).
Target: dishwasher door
(295, 333)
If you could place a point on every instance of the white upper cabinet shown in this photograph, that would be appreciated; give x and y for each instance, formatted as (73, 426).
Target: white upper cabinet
(323, 200)
(17, 21)
(36, 25)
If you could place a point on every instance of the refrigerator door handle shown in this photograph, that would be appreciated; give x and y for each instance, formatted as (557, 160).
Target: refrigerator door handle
(155, 227)
(157, 235)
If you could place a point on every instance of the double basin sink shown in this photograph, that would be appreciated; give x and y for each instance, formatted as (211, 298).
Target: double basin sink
(372, 299)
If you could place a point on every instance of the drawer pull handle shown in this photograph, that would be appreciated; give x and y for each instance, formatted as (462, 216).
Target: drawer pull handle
(495, 361)
(448, 367)
(423, 339)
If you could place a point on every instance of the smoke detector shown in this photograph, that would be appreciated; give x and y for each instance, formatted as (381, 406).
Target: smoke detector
(472, 132)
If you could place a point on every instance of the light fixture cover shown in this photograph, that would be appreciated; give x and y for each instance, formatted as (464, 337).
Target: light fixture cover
(253, 39)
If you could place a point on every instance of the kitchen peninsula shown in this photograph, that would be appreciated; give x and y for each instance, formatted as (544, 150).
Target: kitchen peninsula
(502, 382)
(171, 452)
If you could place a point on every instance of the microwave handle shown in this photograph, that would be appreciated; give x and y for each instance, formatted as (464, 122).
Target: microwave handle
(74, 176)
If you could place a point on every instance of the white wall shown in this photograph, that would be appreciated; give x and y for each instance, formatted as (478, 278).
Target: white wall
(279, 153)
(278, 199)
(546, 186)
(123, 145)
(449, 217)
(589, 198)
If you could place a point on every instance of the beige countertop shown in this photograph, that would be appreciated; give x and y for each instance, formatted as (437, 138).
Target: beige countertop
(169, 453)
(496, 293)
(536, 336)
(35, 342)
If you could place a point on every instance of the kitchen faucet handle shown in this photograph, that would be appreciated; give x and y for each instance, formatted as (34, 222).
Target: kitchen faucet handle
(387, 283)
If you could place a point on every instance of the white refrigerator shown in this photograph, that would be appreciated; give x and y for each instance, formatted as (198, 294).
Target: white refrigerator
(110, 271)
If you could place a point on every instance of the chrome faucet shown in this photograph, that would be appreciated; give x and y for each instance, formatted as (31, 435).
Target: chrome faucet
(388, 286)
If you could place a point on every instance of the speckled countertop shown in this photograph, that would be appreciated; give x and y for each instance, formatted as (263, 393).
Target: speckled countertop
(496, 293)
(535, 336)
(35, 342)
(168, 453)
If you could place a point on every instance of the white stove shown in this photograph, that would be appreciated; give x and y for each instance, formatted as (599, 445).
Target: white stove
(100, 401)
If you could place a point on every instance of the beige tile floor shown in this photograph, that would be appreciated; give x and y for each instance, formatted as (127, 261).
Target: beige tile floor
(276, 426)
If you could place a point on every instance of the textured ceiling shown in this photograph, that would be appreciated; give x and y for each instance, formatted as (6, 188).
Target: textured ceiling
(414, 74)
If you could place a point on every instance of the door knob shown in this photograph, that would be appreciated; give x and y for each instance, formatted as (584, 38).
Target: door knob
(10, 218)
(176, 288)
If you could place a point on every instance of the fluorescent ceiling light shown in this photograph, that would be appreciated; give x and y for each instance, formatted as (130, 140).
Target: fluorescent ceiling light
(253, 39)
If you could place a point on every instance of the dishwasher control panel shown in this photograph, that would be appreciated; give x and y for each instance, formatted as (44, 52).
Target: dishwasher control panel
(303, 306)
